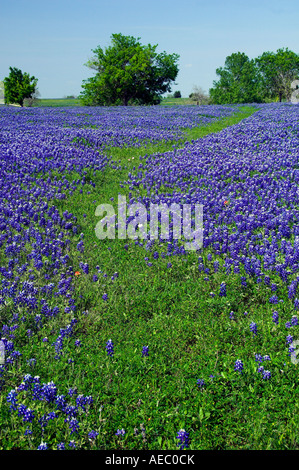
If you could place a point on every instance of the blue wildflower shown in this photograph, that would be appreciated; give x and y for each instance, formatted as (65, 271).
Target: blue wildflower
(92, 435)
(110, 348)
(43, 446)
(253, 328)
(201, 383)
(239, 366)
(275, 317)
(266, 374)
(222, 292)
(183, 438)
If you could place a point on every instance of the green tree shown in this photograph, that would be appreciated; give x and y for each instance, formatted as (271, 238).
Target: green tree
(128, 72)
(278, 70)
(18, 86)
(239, 81)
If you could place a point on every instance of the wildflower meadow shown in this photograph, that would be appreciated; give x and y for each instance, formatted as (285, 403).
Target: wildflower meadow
(137, 343)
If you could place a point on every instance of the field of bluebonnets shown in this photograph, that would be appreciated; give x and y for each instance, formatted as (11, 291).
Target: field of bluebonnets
(139, 344)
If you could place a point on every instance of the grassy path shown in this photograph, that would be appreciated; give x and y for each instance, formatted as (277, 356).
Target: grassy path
(168, 308)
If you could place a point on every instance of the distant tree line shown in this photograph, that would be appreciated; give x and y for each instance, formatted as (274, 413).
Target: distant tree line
(129, 73)
(264, 79)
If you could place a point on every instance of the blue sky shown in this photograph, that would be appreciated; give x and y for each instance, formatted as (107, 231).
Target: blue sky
(53, 39)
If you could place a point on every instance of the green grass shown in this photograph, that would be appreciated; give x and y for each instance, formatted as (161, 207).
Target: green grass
(189, 334)
(58, 102)
(177, 101)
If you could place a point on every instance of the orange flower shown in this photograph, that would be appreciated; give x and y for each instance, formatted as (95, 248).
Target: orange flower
(77, 273)
(225, 203)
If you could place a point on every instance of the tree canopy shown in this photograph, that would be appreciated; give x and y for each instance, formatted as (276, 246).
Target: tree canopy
(238, 81)
(244, 80)
(128, 72)
(278, 71)
(18, 86)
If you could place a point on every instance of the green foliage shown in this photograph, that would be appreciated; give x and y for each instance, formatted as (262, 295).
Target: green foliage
(278, 70)
(18, 86)
(263, 79)
(128, 73)
(238, 81)
(177, 94)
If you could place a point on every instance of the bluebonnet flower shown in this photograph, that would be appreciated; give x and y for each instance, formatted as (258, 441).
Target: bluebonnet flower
(46, 418)
(294, 320)
(239, 366)
(267, 280)
(243, 281)
(60, 402)
(105, 297)
(183, 438)
(72, 391)
(93, 434)
(61, 446)
(49, 391)
(84, 267)
(253, 328)
(201, 383)
(120, 432)
(73, 425)
(222, 292)
(80, 246)
(145, 351)
(259, 358)
(110, 348)
(216, 266)
(289, 339)
(266, 374)
(43, 446)
(72, 444)
(273, 299)
(12, 398)
(275, 317)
